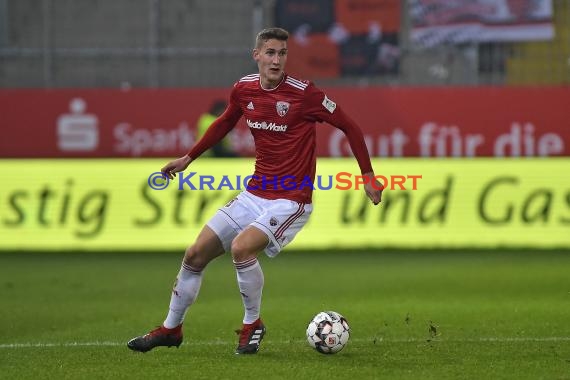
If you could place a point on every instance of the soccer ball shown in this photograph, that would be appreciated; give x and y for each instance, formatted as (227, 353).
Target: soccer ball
(328, 332)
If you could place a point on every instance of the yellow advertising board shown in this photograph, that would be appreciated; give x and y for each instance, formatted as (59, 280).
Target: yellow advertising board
(111, 204)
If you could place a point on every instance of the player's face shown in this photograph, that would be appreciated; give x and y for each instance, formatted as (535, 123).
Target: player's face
(271, 58)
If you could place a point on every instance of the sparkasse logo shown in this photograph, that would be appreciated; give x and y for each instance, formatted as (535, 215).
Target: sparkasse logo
(77, 131)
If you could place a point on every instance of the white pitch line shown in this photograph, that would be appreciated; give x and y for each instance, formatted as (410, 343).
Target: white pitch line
(475, 340)
(369, 340)
(94, 344)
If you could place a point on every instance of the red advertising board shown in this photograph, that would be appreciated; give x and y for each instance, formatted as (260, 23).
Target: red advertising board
(357, 16)
(424, 122)
(456, 122)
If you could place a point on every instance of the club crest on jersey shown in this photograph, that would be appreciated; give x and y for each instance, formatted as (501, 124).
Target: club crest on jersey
(282, 108)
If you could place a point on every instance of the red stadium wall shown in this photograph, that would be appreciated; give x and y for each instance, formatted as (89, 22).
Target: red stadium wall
(424, 122)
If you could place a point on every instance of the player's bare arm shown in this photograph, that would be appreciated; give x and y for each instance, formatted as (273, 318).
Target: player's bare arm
(176, 166)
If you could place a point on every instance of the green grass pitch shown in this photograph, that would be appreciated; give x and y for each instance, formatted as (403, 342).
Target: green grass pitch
(413, 315)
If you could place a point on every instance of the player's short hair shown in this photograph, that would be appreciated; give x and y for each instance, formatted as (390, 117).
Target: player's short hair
(270, 34)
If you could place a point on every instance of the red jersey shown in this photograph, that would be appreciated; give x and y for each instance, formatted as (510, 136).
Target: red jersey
(282, 121)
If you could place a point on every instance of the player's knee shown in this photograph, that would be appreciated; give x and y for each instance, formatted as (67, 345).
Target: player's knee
(194, 258)
(241, 252)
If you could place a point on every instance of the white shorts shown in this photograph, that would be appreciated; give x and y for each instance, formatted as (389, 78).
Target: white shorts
(279, 219)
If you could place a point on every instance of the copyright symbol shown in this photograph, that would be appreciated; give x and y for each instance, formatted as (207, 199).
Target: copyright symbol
(158, 181)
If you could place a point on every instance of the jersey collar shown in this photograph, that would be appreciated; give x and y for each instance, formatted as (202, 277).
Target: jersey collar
(276, 87)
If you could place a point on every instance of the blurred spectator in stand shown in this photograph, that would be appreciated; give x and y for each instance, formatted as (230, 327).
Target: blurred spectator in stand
(224, 147)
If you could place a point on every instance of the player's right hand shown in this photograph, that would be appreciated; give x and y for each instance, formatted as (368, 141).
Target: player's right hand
(178, 165)
(373, 188)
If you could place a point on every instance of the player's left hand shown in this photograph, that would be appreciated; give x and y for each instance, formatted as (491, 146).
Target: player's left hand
(373, 188)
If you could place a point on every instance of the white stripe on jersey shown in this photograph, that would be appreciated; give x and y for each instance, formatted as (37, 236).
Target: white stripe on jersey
(293, 84)
(297, 81)
(250, 78)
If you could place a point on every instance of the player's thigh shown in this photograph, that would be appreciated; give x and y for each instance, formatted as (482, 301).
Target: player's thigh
(232, 219)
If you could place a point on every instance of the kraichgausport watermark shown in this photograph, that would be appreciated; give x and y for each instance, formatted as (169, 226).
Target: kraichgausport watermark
(339, 181)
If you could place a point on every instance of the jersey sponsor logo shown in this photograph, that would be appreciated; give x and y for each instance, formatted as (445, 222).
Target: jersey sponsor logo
(329, 104)
(250, 106)
(282, 108)
(266, 126)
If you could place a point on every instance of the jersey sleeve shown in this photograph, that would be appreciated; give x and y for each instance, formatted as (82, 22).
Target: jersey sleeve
(320, 108)
(220, 127)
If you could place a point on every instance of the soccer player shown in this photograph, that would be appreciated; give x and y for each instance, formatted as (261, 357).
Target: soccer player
(281, 112)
